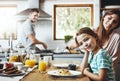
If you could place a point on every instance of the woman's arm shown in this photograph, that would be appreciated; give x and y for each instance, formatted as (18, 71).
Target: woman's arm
(113, 46)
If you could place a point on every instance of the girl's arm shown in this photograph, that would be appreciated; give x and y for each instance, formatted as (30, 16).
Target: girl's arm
(101, 76)
(84, 63)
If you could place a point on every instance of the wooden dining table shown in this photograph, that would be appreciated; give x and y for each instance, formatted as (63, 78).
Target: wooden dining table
(35, 75)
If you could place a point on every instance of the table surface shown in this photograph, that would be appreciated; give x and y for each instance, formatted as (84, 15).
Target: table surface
(35, 75)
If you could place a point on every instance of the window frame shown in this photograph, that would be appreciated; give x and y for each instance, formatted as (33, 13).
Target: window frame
(70, 5)
(14, 36)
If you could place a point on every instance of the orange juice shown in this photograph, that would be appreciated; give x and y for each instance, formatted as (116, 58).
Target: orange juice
(30, 62)
(42, 66)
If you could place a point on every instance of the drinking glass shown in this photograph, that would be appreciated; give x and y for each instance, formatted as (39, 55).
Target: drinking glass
(42, 66)
(48, 60)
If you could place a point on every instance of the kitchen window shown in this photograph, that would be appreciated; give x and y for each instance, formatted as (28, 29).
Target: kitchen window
(8, 22)
(69, 18)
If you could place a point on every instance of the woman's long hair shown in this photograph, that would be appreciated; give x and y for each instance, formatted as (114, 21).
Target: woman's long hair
(101, 32)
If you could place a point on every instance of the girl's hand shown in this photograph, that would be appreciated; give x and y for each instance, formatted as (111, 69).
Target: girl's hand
(85, 71)
(85, 50)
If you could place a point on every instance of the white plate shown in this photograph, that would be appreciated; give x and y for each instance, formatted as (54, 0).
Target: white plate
(17, 63)
(19, 74)
(73, 73)
(63, 65)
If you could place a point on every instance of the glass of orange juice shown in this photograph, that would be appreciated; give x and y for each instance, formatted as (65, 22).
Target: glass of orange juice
(42, 66)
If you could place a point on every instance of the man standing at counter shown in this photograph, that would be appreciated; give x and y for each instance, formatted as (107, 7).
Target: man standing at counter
(28, 33)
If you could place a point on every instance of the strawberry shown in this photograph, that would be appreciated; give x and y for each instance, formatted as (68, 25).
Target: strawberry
(9, 65)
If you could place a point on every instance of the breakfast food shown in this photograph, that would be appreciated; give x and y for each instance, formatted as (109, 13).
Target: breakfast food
(10, 69)
(73, 51)
(63, 72)
(1, 70)
(13, 59)
(30, 62)
(9, 65)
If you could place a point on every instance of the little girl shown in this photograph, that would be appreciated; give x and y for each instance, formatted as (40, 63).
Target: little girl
(96, 64)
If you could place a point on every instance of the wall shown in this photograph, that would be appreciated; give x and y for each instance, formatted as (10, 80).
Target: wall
(44, 29)
(47, 27)
(47, 5)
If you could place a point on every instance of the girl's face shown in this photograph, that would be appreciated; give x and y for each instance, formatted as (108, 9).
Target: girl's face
(110, 22)
(86, 42)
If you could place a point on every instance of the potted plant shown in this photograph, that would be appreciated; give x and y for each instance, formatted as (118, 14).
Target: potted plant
(67, 38)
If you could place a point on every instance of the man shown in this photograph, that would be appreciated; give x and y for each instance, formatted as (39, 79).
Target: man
(28, 33)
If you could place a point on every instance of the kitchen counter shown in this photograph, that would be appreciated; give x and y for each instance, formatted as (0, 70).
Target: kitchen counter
(65, 57)
(68, 55)
(58, 56)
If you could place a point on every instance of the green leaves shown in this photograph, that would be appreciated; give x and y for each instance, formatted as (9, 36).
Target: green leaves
(67, 38)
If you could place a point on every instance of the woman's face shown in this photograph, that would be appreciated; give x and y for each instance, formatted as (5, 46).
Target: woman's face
(86, 42)
(110, 22)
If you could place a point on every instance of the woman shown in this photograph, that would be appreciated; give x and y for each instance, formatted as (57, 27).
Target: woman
(109, 35)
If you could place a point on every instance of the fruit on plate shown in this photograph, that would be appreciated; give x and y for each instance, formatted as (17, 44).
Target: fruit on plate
(30, 63)
(13, 59)
(9, 65)
(10, 69)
